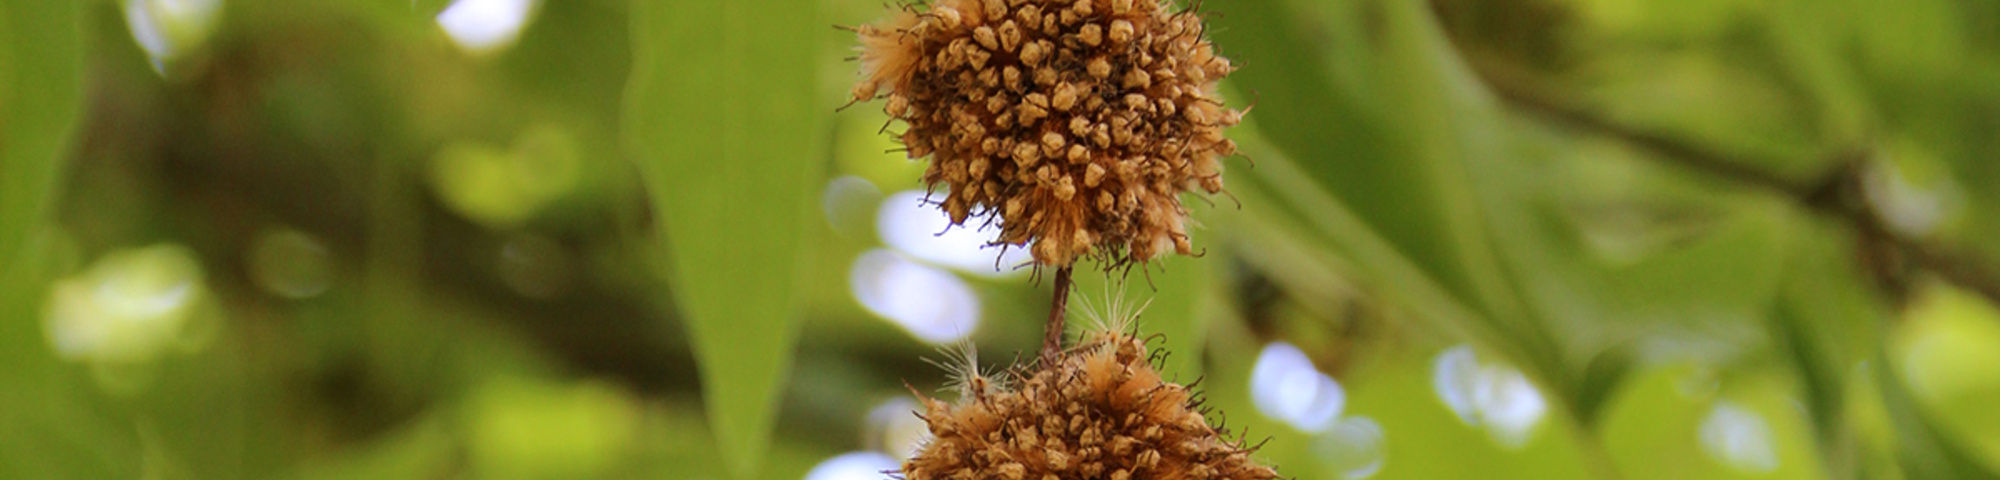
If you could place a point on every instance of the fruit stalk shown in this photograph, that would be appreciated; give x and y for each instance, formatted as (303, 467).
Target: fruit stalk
(1052, 336)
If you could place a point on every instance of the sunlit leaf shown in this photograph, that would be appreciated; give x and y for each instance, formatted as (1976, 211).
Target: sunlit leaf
(722, 119)
(1672, 422)
(1942, 349)
(1925, 451)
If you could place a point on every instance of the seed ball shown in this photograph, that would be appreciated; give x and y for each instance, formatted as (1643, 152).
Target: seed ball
(986, 86)
(1101, 411)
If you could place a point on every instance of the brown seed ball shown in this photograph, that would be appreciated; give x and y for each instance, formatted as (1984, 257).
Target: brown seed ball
(1083, 99)
(1101, 412)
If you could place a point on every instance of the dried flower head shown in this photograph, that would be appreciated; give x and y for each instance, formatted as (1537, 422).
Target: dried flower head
(1101, 412)
(1075, 123)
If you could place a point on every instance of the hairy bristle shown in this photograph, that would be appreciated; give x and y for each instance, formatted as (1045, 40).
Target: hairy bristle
(963, 376)
(1117, 314)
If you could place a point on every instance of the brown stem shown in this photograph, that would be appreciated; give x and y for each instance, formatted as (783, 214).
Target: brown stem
(1052, 337)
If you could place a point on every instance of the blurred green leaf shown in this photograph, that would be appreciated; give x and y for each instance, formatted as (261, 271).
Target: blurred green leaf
(1417, 424)
(1400, 163)
(1826, 322)
(722, 117)
(1665, 19)
(423, 448)
(1317, 240)
(1396, 393)
(527, 428)
(1601, 378)
(1369, 159)
(1455, 132)
(1804, 43)
(1915, 41)
(1613, 270)
(1924, 451)
(1942, 350)
(1680, 421)
(41, 95)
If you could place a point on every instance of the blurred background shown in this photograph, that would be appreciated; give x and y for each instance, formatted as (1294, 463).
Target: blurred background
(526, 239)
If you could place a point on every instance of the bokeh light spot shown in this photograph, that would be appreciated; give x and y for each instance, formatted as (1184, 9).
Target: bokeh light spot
(168, 29)
(1285, 386)
(1512, 407)
(131, 307)
(485, 26)
(1498, 398)
(894, 428)
(932, 304)
(849, 203)
(854, 466)
(1353, 448)
(1738, 438)
(917, 228)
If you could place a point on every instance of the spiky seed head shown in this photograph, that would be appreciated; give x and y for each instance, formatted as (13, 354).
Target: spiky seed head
(993, 91)
(1101, 411)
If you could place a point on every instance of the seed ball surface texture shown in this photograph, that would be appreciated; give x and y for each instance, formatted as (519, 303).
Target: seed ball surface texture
(1075, 124)
(1102, 412)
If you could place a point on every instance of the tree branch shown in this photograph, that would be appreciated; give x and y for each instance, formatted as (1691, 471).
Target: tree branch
(1837, 194)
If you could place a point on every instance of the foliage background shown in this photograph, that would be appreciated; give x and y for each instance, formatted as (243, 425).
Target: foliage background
(320, 239)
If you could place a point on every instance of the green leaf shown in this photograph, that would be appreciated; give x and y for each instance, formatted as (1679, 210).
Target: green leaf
(722, 119)
(1306, 238)
(1827, 320)
(1399, 158)
(1601, 379)
(1925, 451)
(1341, 142)
(41, 93)
(1658, 428)
(1942, 346)
(420, 447)
(1606, 283)
(1807, 47)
